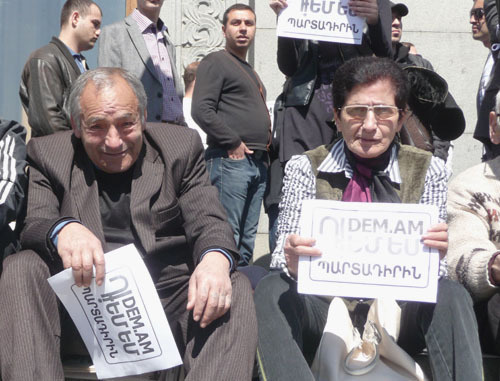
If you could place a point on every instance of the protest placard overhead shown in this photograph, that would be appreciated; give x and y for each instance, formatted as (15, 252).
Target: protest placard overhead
(369, 250)
(322, 20)
(121, 322)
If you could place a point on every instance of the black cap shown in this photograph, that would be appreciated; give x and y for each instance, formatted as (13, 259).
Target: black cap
(399, 8)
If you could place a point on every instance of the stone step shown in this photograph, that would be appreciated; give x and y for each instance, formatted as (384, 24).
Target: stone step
(78, 369)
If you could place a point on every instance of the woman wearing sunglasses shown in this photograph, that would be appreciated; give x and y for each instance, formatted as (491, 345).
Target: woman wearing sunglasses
(366, 165)
(304, 113)
(310, 67)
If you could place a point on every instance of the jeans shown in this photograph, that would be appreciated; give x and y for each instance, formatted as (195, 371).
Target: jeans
(291, 325)
(241, 185)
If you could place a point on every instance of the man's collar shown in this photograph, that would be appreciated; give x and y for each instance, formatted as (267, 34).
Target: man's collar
(73, 53)
(143, 22)
(161, 25)
(235, 56)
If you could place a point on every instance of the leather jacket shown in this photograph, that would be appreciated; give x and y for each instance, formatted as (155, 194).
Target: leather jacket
(45, 82)
(298, 59)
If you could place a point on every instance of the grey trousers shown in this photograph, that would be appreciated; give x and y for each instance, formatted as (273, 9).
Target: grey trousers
(31, 334)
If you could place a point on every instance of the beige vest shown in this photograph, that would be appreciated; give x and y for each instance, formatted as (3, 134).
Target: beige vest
(413, 165)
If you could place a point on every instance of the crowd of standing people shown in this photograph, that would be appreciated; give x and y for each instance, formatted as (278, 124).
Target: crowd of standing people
(128, 153)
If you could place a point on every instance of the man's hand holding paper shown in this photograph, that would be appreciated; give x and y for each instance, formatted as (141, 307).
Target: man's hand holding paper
(80, 250)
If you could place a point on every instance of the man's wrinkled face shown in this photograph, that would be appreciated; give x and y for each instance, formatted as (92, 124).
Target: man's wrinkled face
(240, 29)
(88, 28)
(111, 130)
(478, 22)
(396, 28)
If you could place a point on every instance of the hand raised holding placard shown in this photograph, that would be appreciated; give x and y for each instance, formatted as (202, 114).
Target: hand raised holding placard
(365, 8)
(278, 5)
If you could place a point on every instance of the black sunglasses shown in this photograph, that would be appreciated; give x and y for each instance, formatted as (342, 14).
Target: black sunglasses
(477, 13)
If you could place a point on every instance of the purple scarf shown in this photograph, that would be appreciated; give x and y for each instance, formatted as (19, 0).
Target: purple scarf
(369, 182)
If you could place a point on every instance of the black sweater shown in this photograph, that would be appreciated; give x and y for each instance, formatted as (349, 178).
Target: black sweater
(227, 103)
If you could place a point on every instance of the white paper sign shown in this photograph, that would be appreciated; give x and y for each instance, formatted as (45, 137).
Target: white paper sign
(122, 322)
(323, 20)
(370, 250)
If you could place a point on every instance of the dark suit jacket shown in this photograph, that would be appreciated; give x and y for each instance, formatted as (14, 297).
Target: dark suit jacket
(174, 209)
(122, 45)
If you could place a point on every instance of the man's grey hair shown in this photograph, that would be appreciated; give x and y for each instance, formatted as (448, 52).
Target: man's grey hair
(104, 78)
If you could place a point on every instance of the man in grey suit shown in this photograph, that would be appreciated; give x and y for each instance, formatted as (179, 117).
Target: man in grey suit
(139, 43)
(109, 183)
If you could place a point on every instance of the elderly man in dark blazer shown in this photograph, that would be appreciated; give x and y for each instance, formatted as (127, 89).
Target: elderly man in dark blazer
(140, 43)
(111, 182)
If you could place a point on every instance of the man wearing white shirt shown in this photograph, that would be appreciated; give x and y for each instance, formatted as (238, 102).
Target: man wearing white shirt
(140, 44)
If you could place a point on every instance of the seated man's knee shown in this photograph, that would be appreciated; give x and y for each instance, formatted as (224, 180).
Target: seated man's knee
(241, 297)
(240, 282)
(242, 305)
(25, 265)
